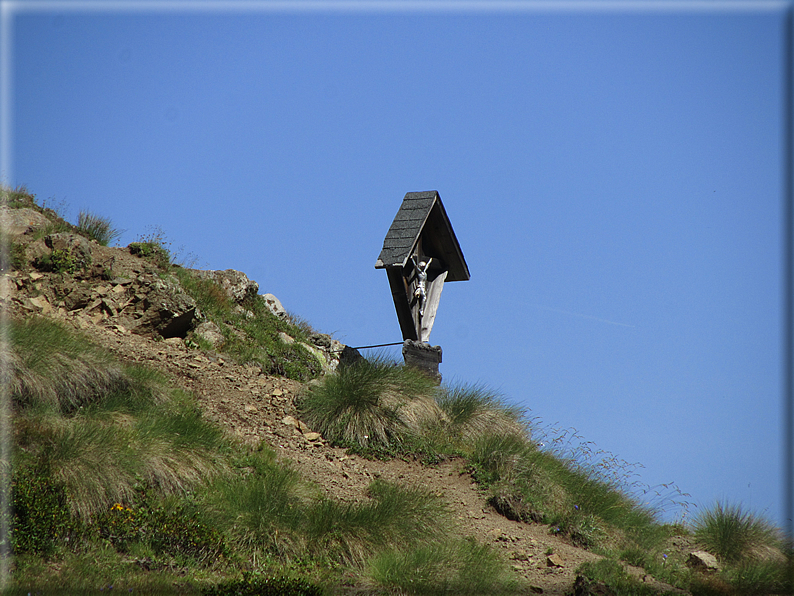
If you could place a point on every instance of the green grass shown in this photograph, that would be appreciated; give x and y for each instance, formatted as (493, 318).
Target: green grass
(98, 427)
(473, 410)
(16, 198)
(56, 369)
(251, 331)
(452, 567)
(134, 473)
(269, 511)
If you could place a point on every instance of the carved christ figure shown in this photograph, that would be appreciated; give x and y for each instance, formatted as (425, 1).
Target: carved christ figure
(427, 283)
(420, 293)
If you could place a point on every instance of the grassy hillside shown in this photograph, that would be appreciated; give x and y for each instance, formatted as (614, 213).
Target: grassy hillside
(118, 479)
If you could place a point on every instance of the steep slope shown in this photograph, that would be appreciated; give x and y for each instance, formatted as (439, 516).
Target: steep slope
(125, 303)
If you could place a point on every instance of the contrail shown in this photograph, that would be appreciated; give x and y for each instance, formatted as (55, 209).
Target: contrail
(583, 316)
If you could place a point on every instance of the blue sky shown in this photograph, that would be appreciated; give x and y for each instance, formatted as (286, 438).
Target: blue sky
(613, 174)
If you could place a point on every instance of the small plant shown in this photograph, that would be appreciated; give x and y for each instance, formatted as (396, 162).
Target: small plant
(165, 527)
(97, 228)
(16, 198)
(153, 246)
(60, 260)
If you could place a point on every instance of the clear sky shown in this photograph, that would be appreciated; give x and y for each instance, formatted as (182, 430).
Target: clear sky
(613, 174)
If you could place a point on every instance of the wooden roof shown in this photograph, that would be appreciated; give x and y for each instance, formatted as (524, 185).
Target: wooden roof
(422, 215)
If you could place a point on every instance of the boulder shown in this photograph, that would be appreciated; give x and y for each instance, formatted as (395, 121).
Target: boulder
(275, 307)
(74, 244)
(554, 560)
(210, 332)
(235, 283)
(166, 310)
(703, 561)
(21, 221)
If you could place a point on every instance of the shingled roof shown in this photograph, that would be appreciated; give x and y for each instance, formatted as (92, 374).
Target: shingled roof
(423, 212)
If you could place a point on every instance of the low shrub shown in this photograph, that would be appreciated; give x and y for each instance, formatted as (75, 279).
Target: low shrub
(167, 527)
(154, 247)
(41, 517)
(60, 260)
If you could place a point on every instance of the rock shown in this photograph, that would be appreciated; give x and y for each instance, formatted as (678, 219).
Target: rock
(325, 359)
(79, 296)
(287, 339)
(312, 436)
(554, 561)
(74, 244)
(210, 332)
(513, 508)
(41, 303)
(167, 310)
(275, 307)
(21, 221)
(703, 561)
(251, 409)
(321, 340)
(235, 283)
(349, 356)
(290, 421)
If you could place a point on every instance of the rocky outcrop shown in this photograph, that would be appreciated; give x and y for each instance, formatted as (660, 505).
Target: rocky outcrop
(275, 306)
(145, 305)
(17, 222)
(163, 308)
(235, 283)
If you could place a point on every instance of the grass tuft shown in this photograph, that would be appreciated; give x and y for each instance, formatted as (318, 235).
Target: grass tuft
(373, 402)
(474, 410)
(53, 368)
(733, 534)
(95, 227)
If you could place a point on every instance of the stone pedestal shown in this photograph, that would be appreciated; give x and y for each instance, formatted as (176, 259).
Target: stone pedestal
(423, 356)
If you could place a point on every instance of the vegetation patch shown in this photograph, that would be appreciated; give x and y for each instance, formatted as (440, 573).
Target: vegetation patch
(254, 584)
(457, 567)
(251, 332)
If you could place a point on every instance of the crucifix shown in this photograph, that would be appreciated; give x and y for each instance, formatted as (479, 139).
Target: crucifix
(420, 253)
